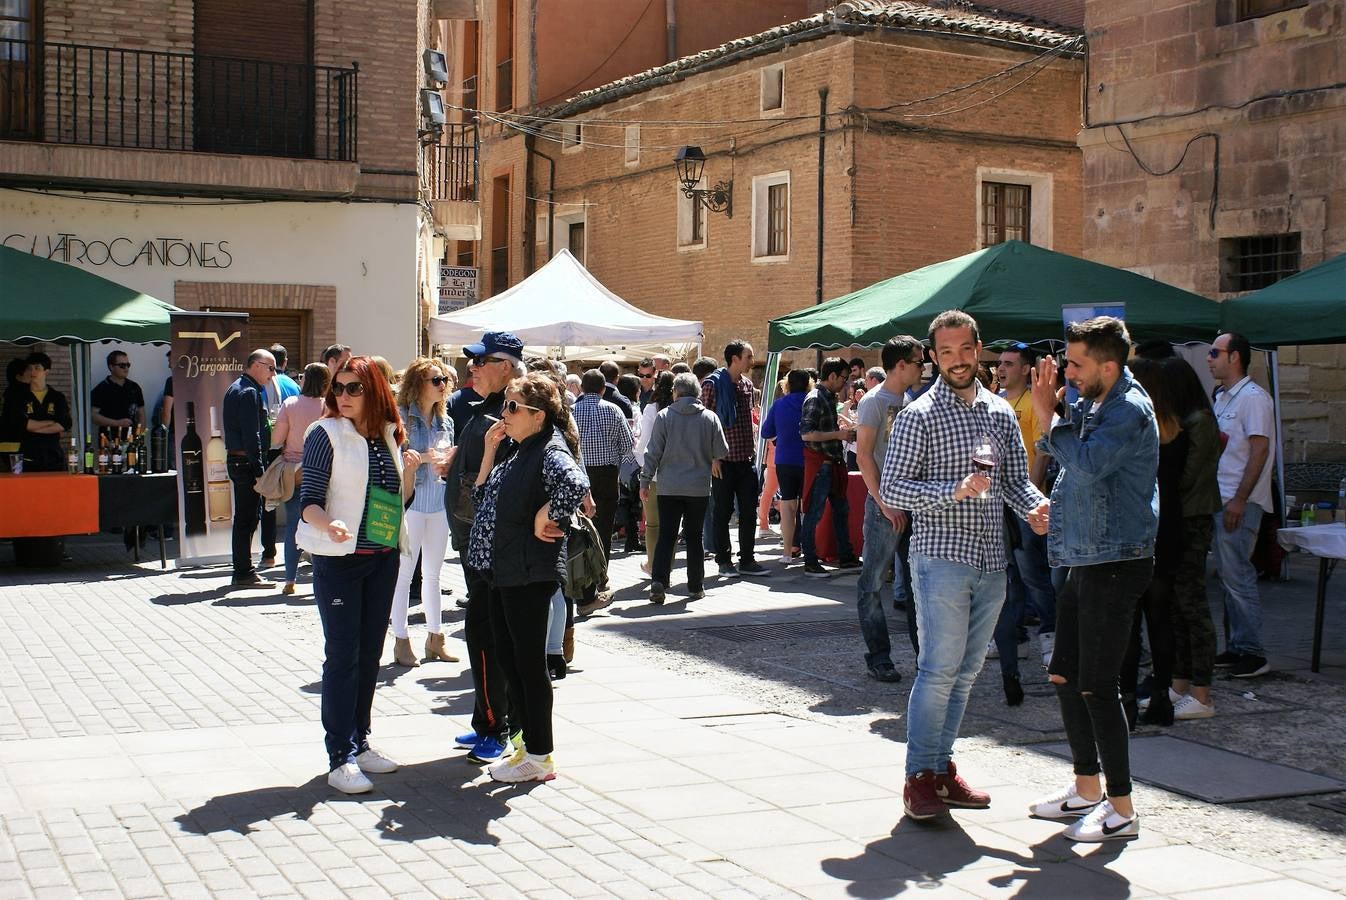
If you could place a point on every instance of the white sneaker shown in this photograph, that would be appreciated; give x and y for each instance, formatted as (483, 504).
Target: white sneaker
(992, 651)
(349, 779)
(1104, 824)
(1174, 698)
(375, 763)
(1188, 707)
(1064, 804)
(1048, 643)
(529, 768)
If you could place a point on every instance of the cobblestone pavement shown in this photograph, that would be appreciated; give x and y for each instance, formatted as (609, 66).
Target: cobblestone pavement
(159, 737)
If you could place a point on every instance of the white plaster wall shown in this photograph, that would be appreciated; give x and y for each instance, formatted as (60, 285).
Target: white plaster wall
(366, 250)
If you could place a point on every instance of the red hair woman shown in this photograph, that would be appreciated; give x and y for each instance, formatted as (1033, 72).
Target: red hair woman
(356, 487)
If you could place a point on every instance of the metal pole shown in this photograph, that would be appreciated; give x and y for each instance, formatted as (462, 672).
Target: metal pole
(822, 151)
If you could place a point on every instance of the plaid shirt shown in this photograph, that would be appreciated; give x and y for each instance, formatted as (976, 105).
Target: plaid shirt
(604, 435)
(820, 414)
(742, 447)
(930, 453)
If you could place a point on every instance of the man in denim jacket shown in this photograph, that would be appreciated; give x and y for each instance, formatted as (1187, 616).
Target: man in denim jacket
(1105, 514)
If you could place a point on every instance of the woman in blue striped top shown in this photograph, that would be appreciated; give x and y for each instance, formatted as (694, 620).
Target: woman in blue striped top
(354, 473)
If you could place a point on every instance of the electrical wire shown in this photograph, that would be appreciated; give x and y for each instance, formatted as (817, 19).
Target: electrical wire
(67, 195)
(626, 37)
(563, 142)
(1215, 172)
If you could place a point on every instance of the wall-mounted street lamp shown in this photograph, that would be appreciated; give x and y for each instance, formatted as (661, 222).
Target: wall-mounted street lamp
(690, 162)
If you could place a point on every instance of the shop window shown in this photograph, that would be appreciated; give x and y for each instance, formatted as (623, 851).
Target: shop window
(1254, 262)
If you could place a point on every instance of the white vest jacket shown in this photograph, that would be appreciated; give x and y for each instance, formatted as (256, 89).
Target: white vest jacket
(347, 489)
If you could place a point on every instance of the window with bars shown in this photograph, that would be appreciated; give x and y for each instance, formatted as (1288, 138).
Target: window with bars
(778, 220)
(1254, 262)
(1005, 212)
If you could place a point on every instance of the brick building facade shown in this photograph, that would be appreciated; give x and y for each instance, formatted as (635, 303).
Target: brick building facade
(938, 124)
(1214, 152)
(274, 140)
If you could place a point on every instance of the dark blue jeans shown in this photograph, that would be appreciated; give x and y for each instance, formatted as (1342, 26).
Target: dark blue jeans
(737, 484)
(683, 513)
(880, 551)
(355, 597)
(820, 492)
(1030, 581)
(247, 514)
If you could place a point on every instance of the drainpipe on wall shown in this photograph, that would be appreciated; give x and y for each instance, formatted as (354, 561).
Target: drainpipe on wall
(671, 29)
(551, 192)
(529, 208)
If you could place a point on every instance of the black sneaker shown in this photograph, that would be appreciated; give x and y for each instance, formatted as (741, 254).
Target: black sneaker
(753, 568)
(1250, 667)
(885, 672)
(850, 562)
(815, 570)
(727, 570)
(1226, 659)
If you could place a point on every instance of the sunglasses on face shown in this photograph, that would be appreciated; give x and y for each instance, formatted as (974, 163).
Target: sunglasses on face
(644, 375)
(349, 388)
(125, 365)
(479, 361)
(1214, 352)
(439, 380)
(513, 406)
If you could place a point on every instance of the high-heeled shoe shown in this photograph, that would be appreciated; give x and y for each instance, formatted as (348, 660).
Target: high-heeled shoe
(434, 649)
(403, 655)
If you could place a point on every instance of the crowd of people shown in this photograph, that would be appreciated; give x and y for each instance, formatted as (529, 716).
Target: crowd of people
(1081, 502)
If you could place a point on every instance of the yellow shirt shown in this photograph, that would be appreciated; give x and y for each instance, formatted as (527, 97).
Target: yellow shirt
(1028, 425)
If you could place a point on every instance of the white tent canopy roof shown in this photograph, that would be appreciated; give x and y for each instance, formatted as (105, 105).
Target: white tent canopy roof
(563, 310)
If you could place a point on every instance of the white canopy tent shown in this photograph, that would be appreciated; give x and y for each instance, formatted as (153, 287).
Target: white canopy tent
(564, 312)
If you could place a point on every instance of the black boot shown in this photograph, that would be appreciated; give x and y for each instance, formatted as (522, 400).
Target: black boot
(1014, 691)
(556, 666)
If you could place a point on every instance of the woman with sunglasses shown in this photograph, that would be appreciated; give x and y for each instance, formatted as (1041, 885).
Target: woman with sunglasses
(355, 490)
(429, 433)
(526, 491)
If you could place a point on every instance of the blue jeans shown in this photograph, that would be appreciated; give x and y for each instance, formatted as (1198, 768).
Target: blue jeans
(956, 611)
(880, 552)
(354, 595)
(1242, 602)
(1029, 581)
(556, 624)
(291, 525)
(820, 492)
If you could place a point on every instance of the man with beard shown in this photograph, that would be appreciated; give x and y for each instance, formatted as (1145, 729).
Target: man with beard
(494, 362)
(1105, 515)
(957, 549)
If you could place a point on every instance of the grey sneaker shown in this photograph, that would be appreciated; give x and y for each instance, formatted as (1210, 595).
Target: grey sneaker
(753, 568)
(727, 570)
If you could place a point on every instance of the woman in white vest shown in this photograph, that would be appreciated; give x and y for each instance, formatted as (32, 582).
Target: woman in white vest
(355, 490)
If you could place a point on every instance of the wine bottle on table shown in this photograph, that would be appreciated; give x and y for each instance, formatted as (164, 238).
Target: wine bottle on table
(102, 454)
(133, 454)
(193, 476)
(88, 455)
(118, 453)
(72, 459)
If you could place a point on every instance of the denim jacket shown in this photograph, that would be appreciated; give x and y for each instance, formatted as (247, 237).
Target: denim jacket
(421, 436)
(1105, 502)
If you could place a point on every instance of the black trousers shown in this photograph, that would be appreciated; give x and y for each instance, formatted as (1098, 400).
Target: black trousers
(603, 486)
(737, 484)
(689, 512)
(354, 595)
(1156, 607)
(247, 513)
(1094, 612)
(491, 707)
(519, 621)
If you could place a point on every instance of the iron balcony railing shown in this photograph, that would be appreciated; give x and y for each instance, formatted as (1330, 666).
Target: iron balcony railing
(159, 100)
(451, 164)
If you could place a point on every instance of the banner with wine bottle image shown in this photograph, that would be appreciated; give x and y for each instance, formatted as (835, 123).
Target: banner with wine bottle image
(210, 351)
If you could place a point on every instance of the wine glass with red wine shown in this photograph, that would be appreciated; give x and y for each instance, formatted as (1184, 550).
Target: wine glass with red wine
(984, 458)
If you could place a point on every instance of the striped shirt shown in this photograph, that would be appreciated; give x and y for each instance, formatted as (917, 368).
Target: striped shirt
(317, 466)
(929, 455)
(605, 438)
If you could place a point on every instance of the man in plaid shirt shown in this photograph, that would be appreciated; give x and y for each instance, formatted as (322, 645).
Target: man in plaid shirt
(604, 439)
(727, 392)
(822, 437)
(957, 549)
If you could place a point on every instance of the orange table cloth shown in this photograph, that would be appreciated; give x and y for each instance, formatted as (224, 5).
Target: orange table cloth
(48, 504)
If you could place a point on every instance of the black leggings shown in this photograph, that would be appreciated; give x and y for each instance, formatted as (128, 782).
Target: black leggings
(1094, 613)
(519, 622)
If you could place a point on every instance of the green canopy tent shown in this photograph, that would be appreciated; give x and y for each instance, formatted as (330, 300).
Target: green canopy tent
(1308, 308)
(53, 302)
(1014, 290)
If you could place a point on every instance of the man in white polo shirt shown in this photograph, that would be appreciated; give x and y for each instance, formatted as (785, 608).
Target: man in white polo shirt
(1248, 426)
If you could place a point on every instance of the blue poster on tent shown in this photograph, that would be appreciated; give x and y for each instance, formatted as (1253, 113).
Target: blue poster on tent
(1081, 312)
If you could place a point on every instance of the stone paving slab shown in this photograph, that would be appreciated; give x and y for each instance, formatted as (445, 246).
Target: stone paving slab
(671, 784)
